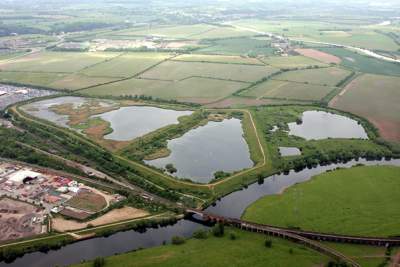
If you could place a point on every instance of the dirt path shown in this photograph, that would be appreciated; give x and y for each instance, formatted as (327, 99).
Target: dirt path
(395, 260)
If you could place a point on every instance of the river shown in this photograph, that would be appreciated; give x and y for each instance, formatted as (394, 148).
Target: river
(232, 205)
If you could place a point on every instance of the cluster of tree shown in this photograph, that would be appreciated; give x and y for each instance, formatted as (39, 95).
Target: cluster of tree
(8, 29)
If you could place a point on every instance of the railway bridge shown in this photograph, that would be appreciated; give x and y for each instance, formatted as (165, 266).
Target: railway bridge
(308, 238)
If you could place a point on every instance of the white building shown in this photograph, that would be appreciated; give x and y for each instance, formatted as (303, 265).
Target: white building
(3, 93)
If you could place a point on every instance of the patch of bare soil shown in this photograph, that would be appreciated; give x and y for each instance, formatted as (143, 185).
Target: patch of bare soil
(318, 55)
(126, 213)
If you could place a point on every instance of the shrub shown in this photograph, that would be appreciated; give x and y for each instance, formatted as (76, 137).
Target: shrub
(99, 262)
(218, 230)
(268, 243)
(200, 234)
(178, 240)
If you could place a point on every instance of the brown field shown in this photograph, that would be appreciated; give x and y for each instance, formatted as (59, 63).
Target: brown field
(126, 213)
(88, 201)
(16, 219)
(318, 55)
(383, 97)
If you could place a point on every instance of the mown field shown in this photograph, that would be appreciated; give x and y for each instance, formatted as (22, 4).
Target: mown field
(247, 249)
(383, 97)
(357, 201)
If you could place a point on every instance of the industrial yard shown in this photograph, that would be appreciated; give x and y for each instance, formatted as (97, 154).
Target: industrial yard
(32, 195)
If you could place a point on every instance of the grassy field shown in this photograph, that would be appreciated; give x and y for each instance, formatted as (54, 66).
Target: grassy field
(196, 89)
(358, 201)
(218, 59)
(323, 76)
(196, 31)
(30, 78)
(126, 65)
(78, 81)
(238, 46)
(363, 63)
(292, 62)
(67, 62)
(247, 250)
(174, 71)
(383, 111)
(288, 90)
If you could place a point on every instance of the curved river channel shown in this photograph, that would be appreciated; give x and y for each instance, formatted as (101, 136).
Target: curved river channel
(232, 205)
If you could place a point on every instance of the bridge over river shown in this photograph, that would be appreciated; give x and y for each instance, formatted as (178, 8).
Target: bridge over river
(308, 238)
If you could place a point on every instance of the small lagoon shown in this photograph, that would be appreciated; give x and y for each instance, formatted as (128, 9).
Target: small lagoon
(198, 154)
(319, 125)
(134, 121)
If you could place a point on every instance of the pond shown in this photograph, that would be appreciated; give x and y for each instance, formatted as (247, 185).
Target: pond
(216, 146)
(321, 125)
(134, 121)
(41, 109)
(289, 151)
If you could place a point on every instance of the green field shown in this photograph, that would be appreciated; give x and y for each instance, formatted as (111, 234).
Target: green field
(30, 78)
(322, 76)
(178, 70)
(195, 31)
(288, 90)
(247, 250)
(198, 90)
(363, 63)
(67, 62)
(383, 111)
(238, 46)
(218, 59)
(357, 201)
(126, 65)
(292, 62)
(79, 81)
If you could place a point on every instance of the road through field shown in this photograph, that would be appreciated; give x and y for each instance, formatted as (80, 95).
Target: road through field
(357, 49)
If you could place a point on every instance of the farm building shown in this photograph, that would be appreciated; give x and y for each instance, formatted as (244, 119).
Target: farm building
(3, 93)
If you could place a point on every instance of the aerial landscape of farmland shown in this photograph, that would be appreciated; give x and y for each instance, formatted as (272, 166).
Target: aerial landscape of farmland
(199, 133)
